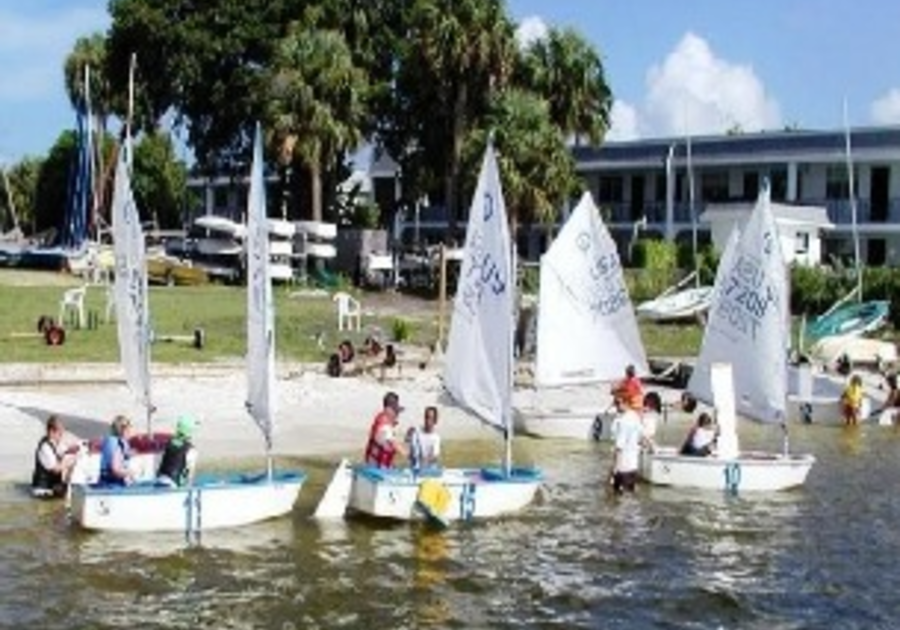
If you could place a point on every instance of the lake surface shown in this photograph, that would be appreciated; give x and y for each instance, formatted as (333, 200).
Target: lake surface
(822, 556)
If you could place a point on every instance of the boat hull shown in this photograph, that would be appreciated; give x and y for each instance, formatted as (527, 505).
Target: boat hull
(685, 304)
(474, 493)
(569, 424)
(212, 503)
(750, 472)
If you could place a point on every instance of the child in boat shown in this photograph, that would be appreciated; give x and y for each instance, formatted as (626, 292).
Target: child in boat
(852, 400)
(179, 460)
(701, 439)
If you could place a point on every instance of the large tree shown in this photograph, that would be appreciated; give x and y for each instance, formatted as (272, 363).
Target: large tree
(450, 58)
(159, 181)
(537, 169)
(316, 106)
(568, 72)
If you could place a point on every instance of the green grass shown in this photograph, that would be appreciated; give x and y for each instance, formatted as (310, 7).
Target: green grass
(219, 310)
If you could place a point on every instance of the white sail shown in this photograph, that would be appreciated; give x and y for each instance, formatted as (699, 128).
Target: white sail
(747, 321)
(587, 330)
(260, 307)
(130, 286)
(478, 368)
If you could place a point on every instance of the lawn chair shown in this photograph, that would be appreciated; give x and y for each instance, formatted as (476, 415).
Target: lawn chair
(73, 300)
(110, 303)
(349, 311)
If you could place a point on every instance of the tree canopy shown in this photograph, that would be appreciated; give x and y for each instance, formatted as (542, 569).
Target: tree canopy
(425, 80)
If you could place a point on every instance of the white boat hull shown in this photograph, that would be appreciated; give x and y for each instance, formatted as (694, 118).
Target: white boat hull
(859, 350)
(822, 403)
(87, 467)
(749, 472)
(681, 305)
(475, 493)
(213, 503)
(572, 424)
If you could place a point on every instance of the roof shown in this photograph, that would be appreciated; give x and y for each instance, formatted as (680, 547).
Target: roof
(813, 216)
(868, 143)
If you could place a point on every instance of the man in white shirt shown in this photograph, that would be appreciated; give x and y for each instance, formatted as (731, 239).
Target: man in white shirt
(627, 436)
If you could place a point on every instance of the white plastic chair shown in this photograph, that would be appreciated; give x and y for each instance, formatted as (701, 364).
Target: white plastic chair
(73, 300)
(349, 311)
(110, 303)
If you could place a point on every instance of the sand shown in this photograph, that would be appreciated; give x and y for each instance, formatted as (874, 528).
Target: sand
(317, 415)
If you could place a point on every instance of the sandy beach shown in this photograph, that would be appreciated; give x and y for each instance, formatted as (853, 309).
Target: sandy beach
(317, 415)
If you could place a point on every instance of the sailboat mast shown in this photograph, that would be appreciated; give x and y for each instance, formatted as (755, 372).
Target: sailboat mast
(507, 405)
(690, 176)
(852, 195)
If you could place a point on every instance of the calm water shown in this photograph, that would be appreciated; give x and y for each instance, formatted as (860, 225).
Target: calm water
(823, 556)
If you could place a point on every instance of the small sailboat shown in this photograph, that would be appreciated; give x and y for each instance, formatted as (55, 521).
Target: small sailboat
(586, 330)
(478, 375)
(852, 317)
(680, 302)
(213, 501)
(745, 343)
(132, 308)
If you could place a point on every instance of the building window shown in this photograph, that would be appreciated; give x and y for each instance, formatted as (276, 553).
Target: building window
(801, 243)
(714, 186)
(779, 183)
(837, 185)
(751, 185)
(610, 190)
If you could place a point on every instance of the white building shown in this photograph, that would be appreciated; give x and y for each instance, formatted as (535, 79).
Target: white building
(800, 228)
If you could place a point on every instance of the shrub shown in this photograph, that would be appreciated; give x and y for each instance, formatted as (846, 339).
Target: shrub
(401, 329)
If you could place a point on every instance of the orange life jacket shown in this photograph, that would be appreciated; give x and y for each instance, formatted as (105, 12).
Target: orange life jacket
(380, 455)
(631, 393)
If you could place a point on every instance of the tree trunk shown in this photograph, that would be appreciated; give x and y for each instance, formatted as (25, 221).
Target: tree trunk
(316, 177)
(452, 182)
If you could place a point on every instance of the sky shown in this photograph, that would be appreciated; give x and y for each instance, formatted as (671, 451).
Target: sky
(675, 66)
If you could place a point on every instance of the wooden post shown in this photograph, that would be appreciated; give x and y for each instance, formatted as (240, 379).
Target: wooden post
(442, 295)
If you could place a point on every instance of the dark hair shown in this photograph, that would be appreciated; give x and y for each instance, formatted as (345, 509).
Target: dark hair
(390, 357)
(54, 423)
(704, 420)
(391, 399)
(333, 367)
(629, 371)
(688, 402)
(345, 350)
(653, 401)
(432, 409)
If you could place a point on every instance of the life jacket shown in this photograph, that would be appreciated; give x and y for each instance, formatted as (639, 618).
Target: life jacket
(377, 454)
(42, 478)
(174, 462)
(631, 392)
(110, 445)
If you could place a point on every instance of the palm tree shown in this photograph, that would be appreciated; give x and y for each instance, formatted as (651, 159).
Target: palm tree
(567, 71)
(316, 101)
(457, 53)
(536, 167)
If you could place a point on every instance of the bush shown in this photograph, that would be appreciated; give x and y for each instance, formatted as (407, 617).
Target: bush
(654, 254)
(401, 329)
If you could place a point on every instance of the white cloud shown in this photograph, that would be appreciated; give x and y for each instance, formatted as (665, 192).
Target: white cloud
(694, 91)
(33, 47)
(886, 109)
(530, 30)
(624, 124)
